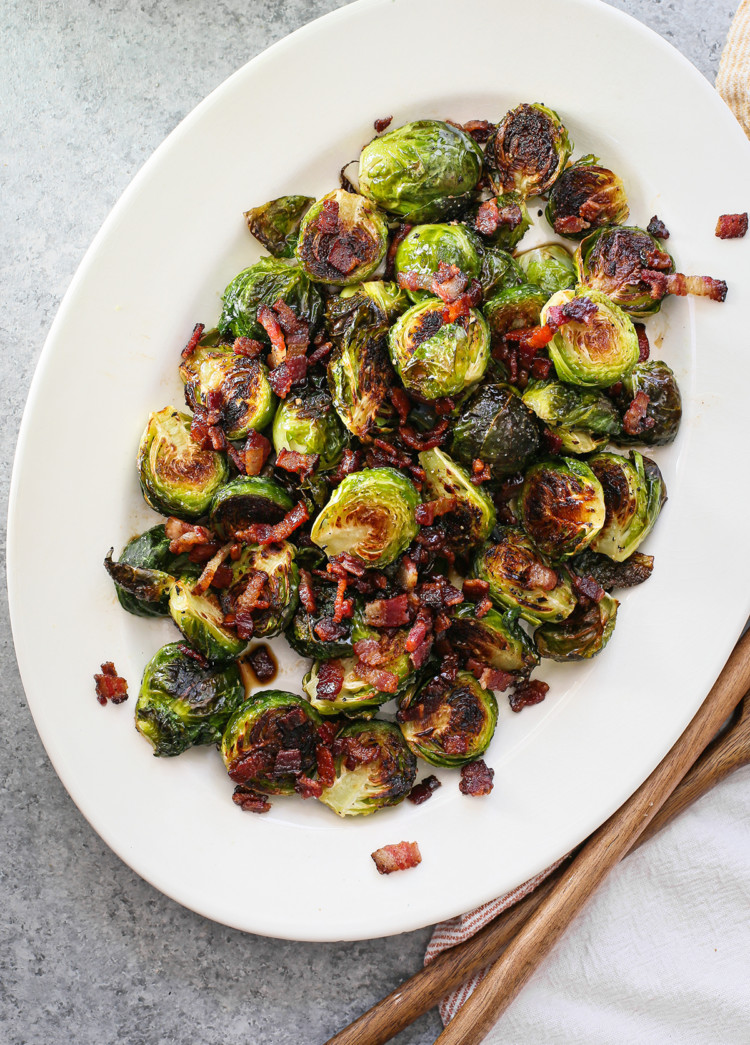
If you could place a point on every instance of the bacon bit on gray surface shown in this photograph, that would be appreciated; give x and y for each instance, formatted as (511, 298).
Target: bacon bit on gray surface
(397, 857)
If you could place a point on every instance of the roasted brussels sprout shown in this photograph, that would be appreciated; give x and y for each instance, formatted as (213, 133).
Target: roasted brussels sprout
(247, 398)
(308, 424)
(658, 382)
(386, 297)
(246, 500)
(301, 633)
(527, 151)
(562, 506)
(452, 729)
(499, 270)
(342, 238)
(520, 579)
(551, 268)
(514, 308)
(586, 196)
(144, 573)
(503, 220)
(264, 283)
(177, 476)
(583, 418)
(270, 740)
(272, 607)
(612, 259)
(426, 247)
(582, 635)
(634, 570)
(434, 358)
(496, 428)
(201, 620)
(276, 224)
(370, 515)
(634, 493)
(375, 769)
(423, 171)
(183, 702)
(496, 639)
(473, 518)
(598, 350)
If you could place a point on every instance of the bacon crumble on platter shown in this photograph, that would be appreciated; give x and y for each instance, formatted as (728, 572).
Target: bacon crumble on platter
(731, 226)
(397, 857)
(250, 801)
(110, 687)
(424, 790)
(476, 778)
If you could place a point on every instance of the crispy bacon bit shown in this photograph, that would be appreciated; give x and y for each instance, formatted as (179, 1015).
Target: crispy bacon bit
(588, 587)
(355, 752)
(419, 630)
(330, 681)
(247, 346)
(541, 368)
(255, 763)
(476, 778)
(657, 228)
(346, 562)
(474, 588)
(342, 607)
(408, 574)
(635, 420)
(252, 595)
(327, 631)
(306, 591)
(425, 514)
(537, 575)
(382, 680)
(370, 653)
(570, 225)
(287, 761)
(291, 461)
(296, 329)
(423, 790)
(183, 536)
(424, 440)
(305, 787)
(351, 461)
(479, 130)
(327, 731)
(188, 651)
(462, 305)
(388, 613)
(658, 260)
(413, 280)
(192, 344)
(489, 678)
(291, 372)
(644, 349)
(268, 320)
(487, 220)
(328, 221)
(528, 693)
(110, 686)
(253, 456)
(448, 283)
(439, 594)
(381, 124)
(483, 607)
(325, 765)
(320, 353)
(250, 801)
(206, 578)
(577, 310)
(262, 664)
(731, 226)
(679, 284)
(480, 472)
(203, 552)
(264, 533)
(397, 857)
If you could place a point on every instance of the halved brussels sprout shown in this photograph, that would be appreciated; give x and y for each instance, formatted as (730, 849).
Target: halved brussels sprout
(177, 476)
(359, 695)
(383, 773)
(499, 270)
(305, 640)
(342, 238)
(370, 515)
(514, 308)
(279, 591)
(514, 220)
(611, 260)
(496, 428)
(276, 224)
(658, 382)
(586, 196)
(521, 579)
(562, 506)
(634, 493)
(245, 500)
(527, 151)
(582, 635)
(247, 398)
(496, 639)
(264, 283)
(550, 267)
(144, 573)
(584, 419)
(434, 358)
(473, 518)
(201, 620)
(426, 247)
(308, 424)
(388, 298)
(183, 702)
(634, 570)
(423, 171)
(597, 352)
(452, 729)
(260, 733)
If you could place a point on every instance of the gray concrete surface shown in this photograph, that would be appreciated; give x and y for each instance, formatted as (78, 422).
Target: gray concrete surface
(89, 953)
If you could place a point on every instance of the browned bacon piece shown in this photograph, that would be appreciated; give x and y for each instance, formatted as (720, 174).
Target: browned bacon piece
(342, 607)
(325, 765)
(401, 233)
(528, 693)
(330, 680)
(291, 372)
(388, 613)
(397, 857)
(448, 283)
(644, 348)
(382, 680)
(269, 321)
(474, 588)
(657, 228)
(587, 586)
(489, 678)
(264, 533)
(661, 284)
(476, 778)
(206, 578)
(250, 801)
(291, 461)
(424, 440)
(183, 536)
(308, 788)
(426, 513)
(306, 591)
(731, 226)
(192, 344)
(326, 630)
(110, 686)
(253, 455)
(480, 473)
(635, 420)
(247, 346)
(296, 330)
(254, 764)
(423, 790)
(462, 305)
(262, 664)
(381, 124)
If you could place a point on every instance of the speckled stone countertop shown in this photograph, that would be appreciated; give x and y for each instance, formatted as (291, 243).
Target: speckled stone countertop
(90, 953)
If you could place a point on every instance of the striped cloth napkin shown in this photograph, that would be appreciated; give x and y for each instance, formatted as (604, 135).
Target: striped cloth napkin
(733, 84)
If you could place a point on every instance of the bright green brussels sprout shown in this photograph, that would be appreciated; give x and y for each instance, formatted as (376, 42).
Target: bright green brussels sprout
(527, 151)
(384, 769)
(496, 639)
(264, 283)
(551, 267)
(246, 500)
(434, 358)
(514, 308)
(581, 635)
(522, 580)
(499, 270)
(247, 398)
(370, 515)
(473, 518)
(426, 247)
(387, 297)
(308, 424)
(201, 620)
(561, 506)
(611, 260)
(342, 238)
(452, 729)
(496, 428)
(423, 171)
(634, 493)
(664, 408)
(144, 573)
(279, 591)
(305, 640)
(503, 220)
(276, 224)
(259, 734)
(183, 702)
(586, 196)
(177, 476)
(596, 352)
(583, 418)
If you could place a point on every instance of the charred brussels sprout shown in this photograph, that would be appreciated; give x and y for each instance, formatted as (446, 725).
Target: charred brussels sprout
(270, 740)
(551, 268)
(664, 408)
(496, 428)
(342, 238)
(496, 639)
(276, 224)
(583, 418)
(473, 518)
(423, 171)
(514, 308)
(144, 573)
(612, 260)
(273, 607)
(434, 358)
(386, 298)
(382, 772)
(499, 270)
(201, 620)
(246, 500)
(582, 635)
(370, 515)
(634, 493)
(264, 283)
(309, 425)
(183, 702)
(527, 151)
(303, 636)
(177, 476)
(247, 397)
(562, 506)
(634, 570)
(452, 729)
(426, 247)
(520, 579)
(586, 196)
(598, 350)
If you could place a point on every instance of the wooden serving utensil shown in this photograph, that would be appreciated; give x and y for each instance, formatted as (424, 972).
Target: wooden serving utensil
(727, 752)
